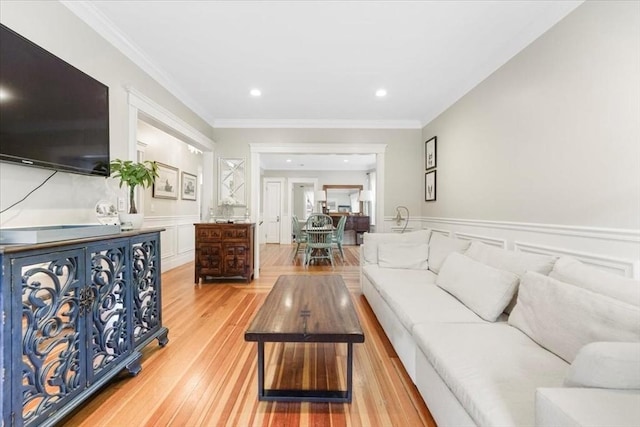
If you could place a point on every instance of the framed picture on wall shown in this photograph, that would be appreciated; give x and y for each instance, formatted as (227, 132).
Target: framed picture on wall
(166, 184)
(189, 189)
(430, 153)
(430, 186)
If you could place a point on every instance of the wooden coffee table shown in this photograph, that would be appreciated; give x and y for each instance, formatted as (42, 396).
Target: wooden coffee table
(306, 309)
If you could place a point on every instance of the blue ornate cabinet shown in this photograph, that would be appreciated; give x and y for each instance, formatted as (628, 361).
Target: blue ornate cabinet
(75, 314)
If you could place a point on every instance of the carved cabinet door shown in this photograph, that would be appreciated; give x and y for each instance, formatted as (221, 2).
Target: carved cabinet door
(146, 288)
(111, 321)
(49, 353)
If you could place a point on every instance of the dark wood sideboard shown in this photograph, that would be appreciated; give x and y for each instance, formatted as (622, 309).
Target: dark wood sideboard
(358, 223)
(224, 251)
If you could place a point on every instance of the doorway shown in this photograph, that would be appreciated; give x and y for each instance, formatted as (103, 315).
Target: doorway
(273, 209)
(310, 148)
(301, 195)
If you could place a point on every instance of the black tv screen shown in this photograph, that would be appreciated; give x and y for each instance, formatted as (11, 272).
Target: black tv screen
(52, 115)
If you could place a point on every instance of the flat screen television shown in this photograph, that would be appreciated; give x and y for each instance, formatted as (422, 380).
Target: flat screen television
(52, 115)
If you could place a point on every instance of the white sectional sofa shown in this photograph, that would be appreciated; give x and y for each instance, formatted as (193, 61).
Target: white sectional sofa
(492, 337)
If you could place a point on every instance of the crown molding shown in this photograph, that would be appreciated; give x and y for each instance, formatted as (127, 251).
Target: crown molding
(91, 16)
(316, 124)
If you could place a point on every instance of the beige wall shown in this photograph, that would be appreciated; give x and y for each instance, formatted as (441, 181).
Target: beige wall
(554, 135)
(70, 198)
(403, 155)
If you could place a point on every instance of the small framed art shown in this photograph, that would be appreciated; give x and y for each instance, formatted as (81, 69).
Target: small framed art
(430, 186)
(189, 186)
(166, 184)
(430, 153)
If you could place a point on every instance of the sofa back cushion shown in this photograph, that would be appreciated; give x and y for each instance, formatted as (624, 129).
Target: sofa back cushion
(440, 247)
(606, 365)
(372, 240)
(403, 255)
(563, 318)
(570, 270)
(513, 261)
(483, 289)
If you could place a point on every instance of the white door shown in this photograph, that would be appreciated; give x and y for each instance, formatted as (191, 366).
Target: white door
(272, 210)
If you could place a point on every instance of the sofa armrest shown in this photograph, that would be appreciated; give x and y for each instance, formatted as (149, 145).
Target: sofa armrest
(587, 407)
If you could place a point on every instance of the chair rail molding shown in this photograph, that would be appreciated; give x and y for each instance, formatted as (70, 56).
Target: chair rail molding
(623, 235)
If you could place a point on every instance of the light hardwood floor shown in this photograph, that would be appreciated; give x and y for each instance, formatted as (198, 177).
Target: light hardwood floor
(207, 374)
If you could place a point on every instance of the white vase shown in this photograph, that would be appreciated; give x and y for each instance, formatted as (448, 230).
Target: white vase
(130, 221)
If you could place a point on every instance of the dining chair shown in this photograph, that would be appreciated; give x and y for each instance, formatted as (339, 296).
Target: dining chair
(338, 236)
(299, 237)
(319, 229)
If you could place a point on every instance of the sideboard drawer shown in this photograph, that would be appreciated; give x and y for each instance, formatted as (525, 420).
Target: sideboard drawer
(208, 234)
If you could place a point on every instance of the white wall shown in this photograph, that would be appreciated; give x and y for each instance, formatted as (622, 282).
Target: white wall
(553, 136)
(69, 198)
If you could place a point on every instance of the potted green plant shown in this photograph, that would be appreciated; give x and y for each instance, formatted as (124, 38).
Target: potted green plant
(133, 174)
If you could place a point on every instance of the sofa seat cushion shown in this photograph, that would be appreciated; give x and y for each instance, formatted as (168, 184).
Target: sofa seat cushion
(414, 303)
(493, 369)
(397, 277)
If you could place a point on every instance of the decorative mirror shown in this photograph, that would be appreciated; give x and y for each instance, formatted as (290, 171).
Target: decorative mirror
(343, 199)
(231, 182)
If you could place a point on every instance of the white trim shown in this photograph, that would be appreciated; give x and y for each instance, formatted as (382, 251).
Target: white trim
(624, 235)
(445, 233)
(317, 148)
(623, 267)
(166, 118)
(315, 124)
(493, 241)
(102, 25)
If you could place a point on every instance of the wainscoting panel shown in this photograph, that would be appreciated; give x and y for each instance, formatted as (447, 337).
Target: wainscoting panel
(178, 239)
(492, 241)
(186, 238)
(622, 267)
(168, 241)
(445, 233)
(613, 250)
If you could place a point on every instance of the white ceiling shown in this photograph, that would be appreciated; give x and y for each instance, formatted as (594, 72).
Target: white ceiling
(319, 63)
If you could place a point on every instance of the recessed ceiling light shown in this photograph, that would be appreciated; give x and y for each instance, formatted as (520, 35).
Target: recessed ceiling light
(288, 160)
(346, 160)
(255, 92)
(380, 93)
